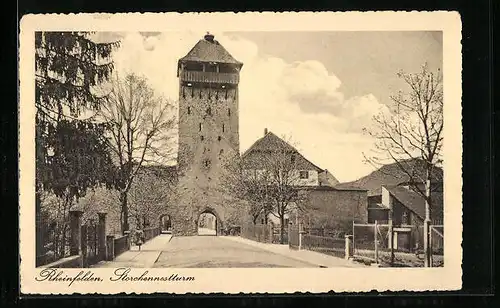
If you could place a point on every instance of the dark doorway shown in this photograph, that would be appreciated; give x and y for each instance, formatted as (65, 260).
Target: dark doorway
(207, 224)
(165, 224)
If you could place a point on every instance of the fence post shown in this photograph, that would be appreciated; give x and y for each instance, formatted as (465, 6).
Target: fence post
(430, 245)
(348, 246)
(376, 241)
(300, 235)
(101, 234)
(76, 234)
(353, 238)
(289, 232)
(110, 251)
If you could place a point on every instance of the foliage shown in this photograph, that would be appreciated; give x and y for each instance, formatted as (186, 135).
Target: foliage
(411, 136)
(269, 182)
(70, 154)
(413, 132)
(140, 131)
(149, 195)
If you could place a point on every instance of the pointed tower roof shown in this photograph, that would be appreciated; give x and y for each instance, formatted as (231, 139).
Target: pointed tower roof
(210, 50)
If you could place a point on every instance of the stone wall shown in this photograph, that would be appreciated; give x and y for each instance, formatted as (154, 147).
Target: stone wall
(208, 134)
(338, 207)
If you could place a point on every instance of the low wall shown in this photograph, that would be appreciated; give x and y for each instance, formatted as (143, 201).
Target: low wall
(121, 245)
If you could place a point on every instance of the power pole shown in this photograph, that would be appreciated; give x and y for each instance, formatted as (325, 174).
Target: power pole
(427, 221)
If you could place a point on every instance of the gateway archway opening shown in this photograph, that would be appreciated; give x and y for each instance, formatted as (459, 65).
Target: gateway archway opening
(165, 224)
(207, 224)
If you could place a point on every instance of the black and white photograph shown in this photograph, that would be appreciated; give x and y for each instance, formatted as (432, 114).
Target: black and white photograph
(212, 148)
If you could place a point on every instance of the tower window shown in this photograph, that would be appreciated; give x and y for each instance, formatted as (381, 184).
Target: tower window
(202, 138)
(219, 138)
(201, 127)
(221, 151)
(209, 111)
(211, 67)
(229, 111)
(223, 128)
(189, 110)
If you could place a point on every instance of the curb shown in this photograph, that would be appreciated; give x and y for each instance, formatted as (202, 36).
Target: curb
(282, 254)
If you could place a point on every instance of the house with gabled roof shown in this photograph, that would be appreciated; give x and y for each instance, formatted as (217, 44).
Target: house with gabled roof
(324, 201)
(408, 214)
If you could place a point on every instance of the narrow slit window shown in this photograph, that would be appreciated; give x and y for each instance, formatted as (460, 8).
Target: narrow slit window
(209, 111)
(202, 138)
(223, 127)
(219, 138)
(229, 111)
(201, 127)
(189, 110)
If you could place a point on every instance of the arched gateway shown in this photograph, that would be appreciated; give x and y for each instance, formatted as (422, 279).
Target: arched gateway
(208, 132)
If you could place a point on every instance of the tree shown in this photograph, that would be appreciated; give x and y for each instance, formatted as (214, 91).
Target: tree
(141, 125)
(270, 182)
(70, 154)
(412, 135)
(149, 194)
(246, 186)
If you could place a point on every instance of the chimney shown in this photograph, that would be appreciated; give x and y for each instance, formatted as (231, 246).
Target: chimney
(209, 37)
(265, 131)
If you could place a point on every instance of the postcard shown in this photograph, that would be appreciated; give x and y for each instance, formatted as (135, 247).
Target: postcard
(240, 153)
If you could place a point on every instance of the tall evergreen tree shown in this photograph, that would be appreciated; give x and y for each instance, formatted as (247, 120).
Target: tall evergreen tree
(71, 154)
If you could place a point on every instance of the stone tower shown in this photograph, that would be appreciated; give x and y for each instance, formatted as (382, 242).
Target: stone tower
(208, 131)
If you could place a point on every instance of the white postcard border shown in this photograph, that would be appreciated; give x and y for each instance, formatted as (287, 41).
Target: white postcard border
(253, 280)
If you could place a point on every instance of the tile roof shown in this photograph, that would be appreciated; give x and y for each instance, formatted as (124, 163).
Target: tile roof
(270, 142)
(210, 51)
(414, 201)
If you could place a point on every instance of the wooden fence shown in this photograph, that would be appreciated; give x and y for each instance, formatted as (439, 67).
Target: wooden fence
(264, 233)
(327, 245)
(372, 242)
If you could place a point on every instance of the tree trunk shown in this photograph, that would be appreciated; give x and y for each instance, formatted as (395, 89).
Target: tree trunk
(124, 206)
(427, 221)
(282, 228)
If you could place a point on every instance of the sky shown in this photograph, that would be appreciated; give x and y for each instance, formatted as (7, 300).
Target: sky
(318, 88)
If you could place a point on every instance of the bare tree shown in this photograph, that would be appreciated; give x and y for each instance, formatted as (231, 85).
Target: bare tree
(411, 136)
(270, 181)
(246, 186)
(149, 195)
(141, 128)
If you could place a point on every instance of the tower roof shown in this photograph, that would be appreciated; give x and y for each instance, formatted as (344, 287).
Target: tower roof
(210, 50)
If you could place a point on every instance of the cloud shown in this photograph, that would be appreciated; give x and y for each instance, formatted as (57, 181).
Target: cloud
(299, 99)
